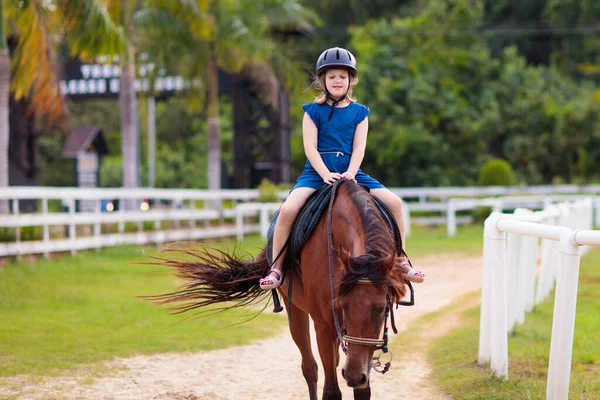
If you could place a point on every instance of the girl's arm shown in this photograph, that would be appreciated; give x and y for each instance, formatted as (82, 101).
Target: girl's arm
(310, 135)
(358, 148)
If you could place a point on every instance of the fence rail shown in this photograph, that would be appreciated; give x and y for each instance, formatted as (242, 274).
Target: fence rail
(510, 290)
(182, 205)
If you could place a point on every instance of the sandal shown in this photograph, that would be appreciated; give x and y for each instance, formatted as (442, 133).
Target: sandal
(269, 282)
(413, 275)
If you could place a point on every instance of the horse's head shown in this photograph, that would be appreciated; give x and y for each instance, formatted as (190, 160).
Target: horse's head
(370, 285)
(371, 281)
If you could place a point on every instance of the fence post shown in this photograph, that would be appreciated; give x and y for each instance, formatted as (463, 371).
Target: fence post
(497, 205)
(97, 226)
(239, 223)
(485, 310)
(122, 213)
(46, 228)
(15, 211)
(563, 323)
(451, 218)
(264, 220)
(192, 221)
(513, 249)
(72, 230)
(597, 211)
(498, 325)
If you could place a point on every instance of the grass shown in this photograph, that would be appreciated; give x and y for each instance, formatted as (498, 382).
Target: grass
(457, 372)
(57, 314)
(424, 241)
(72, 311)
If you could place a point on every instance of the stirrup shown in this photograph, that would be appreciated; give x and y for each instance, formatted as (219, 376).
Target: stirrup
(269, 282)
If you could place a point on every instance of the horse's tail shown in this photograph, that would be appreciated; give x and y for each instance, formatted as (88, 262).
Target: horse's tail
(212, 277)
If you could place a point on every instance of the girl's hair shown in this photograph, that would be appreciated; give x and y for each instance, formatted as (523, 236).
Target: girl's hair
(319, 84)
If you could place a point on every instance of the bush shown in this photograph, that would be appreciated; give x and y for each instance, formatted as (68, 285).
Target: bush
(267, 191)
(496, 172)
(480, 213)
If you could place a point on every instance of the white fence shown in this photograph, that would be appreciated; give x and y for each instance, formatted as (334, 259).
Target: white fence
(509, 287)
(212, 220)
(182, 210)
(451, 206)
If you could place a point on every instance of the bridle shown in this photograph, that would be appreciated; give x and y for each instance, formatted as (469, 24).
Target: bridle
(380, 344)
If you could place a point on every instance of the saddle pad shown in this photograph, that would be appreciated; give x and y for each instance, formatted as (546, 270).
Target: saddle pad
(307, 219)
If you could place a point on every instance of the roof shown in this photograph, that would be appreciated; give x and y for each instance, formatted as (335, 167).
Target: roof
(84, 137)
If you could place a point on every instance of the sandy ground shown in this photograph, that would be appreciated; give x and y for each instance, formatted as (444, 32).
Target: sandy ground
(247, 372)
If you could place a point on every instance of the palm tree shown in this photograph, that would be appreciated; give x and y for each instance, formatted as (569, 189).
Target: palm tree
(122, 11)
(4, 99)
(38, 26)
(205, 36)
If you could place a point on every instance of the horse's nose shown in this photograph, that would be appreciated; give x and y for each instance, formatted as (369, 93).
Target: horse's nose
(358, 380)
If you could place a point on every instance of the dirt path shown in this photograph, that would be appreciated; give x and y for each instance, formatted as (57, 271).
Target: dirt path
(246, 372)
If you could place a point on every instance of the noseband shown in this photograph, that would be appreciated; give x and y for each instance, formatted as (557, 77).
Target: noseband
(381, 344)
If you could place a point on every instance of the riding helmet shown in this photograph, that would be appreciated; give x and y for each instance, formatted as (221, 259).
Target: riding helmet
(336, 57)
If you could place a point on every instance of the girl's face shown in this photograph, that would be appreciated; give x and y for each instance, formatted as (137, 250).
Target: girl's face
(337, 82)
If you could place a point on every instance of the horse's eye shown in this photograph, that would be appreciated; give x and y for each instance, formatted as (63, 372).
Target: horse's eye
(379, 310)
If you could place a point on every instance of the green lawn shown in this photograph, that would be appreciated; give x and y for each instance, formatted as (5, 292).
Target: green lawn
(56, 314)
(458, 374)
(424, 241)
(71, 311)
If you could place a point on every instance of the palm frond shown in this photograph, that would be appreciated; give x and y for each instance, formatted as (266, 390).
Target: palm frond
(89, 28)
(34, 62)
(290, 14)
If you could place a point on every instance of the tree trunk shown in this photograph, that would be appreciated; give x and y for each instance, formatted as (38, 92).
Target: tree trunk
(214, 124)
(4, 106)
(127, 99)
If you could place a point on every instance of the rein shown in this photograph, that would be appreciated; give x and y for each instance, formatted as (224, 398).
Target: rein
(381, 344)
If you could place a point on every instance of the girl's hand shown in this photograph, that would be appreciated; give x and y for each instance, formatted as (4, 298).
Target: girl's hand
(348, 175)
(331, 177)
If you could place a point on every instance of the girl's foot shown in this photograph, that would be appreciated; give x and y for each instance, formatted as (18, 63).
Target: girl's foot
(271, 281)
(411, 274)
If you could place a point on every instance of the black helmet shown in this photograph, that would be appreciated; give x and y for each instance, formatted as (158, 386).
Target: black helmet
(336, 57)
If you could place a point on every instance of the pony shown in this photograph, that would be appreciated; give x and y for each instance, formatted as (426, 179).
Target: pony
(347, 281)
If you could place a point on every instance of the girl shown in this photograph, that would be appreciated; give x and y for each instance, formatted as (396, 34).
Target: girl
(334, 132)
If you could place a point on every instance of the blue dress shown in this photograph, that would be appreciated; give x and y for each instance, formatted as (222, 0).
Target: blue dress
(334, 142)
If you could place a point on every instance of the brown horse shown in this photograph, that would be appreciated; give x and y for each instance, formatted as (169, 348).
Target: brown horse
(357, 289)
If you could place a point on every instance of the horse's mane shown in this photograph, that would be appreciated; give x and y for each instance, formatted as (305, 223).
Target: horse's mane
(379, 263)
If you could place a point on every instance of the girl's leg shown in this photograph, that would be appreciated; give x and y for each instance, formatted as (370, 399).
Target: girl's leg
(283, 226)
(394, 203)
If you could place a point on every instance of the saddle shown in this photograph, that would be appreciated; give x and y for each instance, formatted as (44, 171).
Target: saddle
(307, 219)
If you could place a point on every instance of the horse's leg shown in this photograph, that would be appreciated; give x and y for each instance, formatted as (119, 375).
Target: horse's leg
(328, 350)
(363, 394)
(299, 328)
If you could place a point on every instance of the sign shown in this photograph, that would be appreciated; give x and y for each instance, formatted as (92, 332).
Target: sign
(102, 79)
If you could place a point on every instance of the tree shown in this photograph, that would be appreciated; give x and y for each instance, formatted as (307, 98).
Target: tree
(37, 26)
(127, 97)
(442, 104)
(198, 39)
(579, 51)
(4, 100)
(122, 11)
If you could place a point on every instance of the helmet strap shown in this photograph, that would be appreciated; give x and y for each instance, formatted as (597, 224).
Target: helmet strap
(335, 101)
